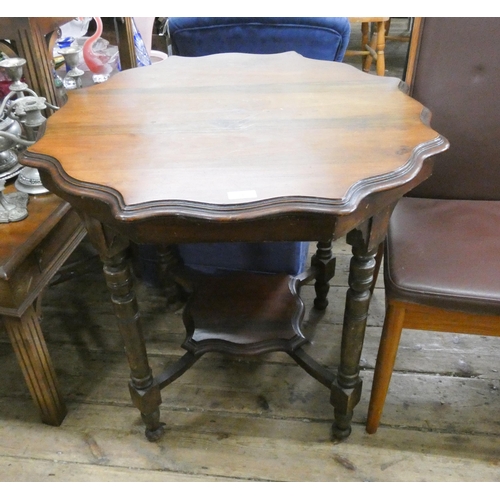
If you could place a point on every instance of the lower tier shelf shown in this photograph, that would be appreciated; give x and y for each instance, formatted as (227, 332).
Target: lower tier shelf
(244, 313)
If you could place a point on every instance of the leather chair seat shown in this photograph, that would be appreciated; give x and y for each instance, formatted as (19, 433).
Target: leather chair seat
(422, 265)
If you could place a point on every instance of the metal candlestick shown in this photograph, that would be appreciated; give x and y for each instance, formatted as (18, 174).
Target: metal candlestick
(71, 55)
(13, 66)
(20, 117)
(12, 205)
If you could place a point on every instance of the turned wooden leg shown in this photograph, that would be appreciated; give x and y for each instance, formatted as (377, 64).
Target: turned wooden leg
(389, 343)
(324, 263)
(346, 391)
(145, 394)
(381, 49)
(365, 40)
(169, 263)
(376, 46)
(29, 345)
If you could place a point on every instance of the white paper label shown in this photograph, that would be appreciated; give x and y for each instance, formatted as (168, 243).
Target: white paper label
(242, 195)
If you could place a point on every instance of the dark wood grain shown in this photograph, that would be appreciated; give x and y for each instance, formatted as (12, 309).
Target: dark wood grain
(184, 133)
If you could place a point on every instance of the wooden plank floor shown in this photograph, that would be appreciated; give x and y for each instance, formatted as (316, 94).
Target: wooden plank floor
(248, 419)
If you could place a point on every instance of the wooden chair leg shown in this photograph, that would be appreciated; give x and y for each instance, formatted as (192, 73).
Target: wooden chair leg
(365, 40)
(368, 59)
(378, 264)
(376, 46)
(32, 354)
(389, 343)
(381, 49)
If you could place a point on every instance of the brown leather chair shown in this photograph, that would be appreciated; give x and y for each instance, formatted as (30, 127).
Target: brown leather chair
(442, 254)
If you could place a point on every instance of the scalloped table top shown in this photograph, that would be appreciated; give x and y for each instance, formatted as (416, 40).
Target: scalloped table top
(235, 130)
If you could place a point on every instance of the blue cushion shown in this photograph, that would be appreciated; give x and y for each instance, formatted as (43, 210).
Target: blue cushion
(324, 38)
(278, 257)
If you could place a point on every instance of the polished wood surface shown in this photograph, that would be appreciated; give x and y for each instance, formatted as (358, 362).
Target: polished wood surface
(211, 130)
(239, 147)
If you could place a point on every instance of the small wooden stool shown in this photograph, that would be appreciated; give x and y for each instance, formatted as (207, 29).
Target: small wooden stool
(31, 252)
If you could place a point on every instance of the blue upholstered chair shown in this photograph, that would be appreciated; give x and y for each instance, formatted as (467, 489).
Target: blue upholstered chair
(323, 38)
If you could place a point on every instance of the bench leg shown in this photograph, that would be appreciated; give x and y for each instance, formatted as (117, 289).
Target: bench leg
(29, 345)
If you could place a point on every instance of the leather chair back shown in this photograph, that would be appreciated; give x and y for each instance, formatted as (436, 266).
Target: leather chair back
(458, 82)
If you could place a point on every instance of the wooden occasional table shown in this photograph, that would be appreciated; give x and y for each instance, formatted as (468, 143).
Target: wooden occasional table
(240, 147)
(31, 253)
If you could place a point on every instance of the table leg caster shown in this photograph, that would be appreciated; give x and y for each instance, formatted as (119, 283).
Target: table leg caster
(341, 428)
(339, 434)
(154, 428)
(155, 435)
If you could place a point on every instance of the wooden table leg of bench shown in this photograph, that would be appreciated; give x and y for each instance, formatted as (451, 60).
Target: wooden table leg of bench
(29, 345)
